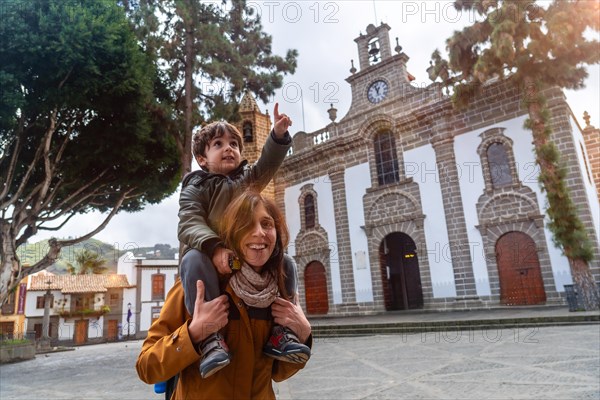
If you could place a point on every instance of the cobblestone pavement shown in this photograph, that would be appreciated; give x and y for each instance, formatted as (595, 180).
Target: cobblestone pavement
(525, 363)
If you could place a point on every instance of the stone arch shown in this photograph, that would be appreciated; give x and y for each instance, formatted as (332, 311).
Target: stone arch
(414, 229)
(404, 204)
(502, 207)
(491, 233)
(375, 124)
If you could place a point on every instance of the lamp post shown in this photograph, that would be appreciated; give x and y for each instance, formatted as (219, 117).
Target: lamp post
(46, 319)
(44, 342)
(128, 318)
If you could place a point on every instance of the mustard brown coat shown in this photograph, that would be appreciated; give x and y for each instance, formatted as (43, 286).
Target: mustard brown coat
(168, 350)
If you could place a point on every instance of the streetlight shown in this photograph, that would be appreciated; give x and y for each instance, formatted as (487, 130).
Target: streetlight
(45, 339)
(46, 320)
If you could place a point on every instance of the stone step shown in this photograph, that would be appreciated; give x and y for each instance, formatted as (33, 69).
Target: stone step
(323, 330)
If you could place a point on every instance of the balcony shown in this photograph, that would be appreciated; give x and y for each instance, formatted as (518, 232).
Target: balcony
(84, 312)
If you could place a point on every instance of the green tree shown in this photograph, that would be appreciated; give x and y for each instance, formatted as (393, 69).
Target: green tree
(81, 124)
(208, 53)
(533, 46)
(87, 262)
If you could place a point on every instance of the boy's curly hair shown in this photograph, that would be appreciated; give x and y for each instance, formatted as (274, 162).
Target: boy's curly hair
(204, 135)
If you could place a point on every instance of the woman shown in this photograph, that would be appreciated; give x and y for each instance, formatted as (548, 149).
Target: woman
(254, 228)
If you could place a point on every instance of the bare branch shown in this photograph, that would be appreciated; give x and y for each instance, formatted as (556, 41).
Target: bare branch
(73, 213)
(48, 166)
(60, 85)
(13, 163)
(75, 205)
(80, 190)
(63, 146)
(25, 180)
(102, 225)
(42, 150)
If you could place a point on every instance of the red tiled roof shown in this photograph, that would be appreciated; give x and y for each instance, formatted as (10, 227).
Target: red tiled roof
(79, 283)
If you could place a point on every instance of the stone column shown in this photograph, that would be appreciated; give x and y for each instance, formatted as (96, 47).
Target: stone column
(455, 216)
(344, 251)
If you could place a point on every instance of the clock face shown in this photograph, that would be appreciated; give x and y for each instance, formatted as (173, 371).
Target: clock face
(377, 91)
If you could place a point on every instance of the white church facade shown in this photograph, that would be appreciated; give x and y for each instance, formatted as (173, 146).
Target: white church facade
(407, 203)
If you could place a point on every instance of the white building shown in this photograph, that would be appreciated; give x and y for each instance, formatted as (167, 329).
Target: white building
(152, 280)
(83, 308)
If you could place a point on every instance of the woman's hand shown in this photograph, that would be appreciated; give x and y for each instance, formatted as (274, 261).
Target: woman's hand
(220, 260)
(209, 316)
(291, 316)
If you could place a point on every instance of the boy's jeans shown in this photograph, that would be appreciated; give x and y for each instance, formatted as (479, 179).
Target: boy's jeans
(196, 265)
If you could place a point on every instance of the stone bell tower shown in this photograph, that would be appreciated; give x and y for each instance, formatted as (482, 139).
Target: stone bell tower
(255, 128)
(374, 47)
(382, 77)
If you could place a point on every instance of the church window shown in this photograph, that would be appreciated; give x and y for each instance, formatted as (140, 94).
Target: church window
(386, 159)
(309, 211)
(307, 203)
(499, 165)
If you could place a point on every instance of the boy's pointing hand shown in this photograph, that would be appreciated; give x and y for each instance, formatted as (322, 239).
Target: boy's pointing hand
(282, 122)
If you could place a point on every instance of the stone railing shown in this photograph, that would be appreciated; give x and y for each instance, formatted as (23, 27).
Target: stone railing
(304, 141)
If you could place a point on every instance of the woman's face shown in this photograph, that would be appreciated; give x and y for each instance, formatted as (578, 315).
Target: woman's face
(258, 243)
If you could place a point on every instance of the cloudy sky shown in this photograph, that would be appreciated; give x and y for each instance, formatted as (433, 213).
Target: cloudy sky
(323, 32)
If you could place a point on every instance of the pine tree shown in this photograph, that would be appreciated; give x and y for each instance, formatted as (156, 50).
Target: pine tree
(209, 53)
(533, 46)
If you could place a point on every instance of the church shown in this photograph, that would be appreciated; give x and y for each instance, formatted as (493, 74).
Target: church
(407, 203)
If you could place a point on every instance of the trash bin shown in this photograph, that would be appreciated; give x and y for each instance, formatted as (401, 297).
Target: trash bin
(572, 297)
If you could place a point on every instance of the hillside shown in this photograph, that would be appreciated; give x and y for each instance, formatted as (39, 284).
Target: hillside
(31, 253)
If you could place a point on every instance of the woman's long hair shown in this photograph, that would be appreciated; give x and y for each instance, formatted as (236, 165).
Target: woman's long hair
(238, 219)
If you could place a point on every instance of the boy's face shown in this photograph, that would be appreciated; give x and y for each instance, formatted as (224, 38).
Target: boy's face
(222, 155)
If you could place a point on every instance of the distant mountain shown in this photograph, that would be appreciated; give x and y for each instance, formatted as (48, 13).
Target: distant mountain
(31, 253)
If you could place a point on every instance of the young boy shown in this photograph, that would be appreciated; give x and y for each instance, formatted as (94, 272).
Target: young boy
(205, 194)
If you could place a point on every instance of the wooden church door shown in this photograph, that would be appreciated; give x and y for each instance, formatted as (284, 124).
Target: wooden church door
(519, 270)
(315, 284)
(401, 273)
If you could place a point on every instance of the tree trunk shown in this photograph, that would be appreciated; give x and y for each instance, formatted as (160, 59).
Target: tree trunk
(580, 271)
(186, 157)
(587, 290)
(9, 262)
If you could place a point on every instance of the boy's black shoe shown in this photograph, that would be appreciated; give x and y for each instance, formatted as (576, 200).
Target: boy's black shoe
(284, 345)
(215, 354)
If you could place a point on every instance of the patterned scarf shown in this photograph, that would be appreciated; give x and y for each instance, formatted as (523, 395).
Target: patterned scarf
(256, 290)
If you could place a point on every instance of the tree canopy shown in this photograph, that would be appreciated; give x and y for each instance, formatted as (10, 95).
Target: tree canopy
(82, 123)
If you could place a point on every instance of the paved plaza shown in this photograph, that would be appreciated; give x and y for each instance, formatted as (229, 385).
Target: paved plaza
(511, 363)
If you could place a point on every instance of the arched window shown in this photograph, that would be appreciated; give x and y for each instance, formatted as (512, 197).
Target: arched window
(309, 211)
(499, 165)
(386, 158)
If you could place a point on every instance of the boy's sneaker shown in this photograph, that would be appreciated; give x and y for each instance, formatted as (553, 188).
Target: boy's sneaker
(215, 355)
(284, 345)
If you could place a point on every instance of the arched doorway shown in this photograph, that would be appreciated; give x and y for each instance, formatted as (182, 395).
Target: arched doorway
(315, 284)
(400, 272)
(519, 270)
